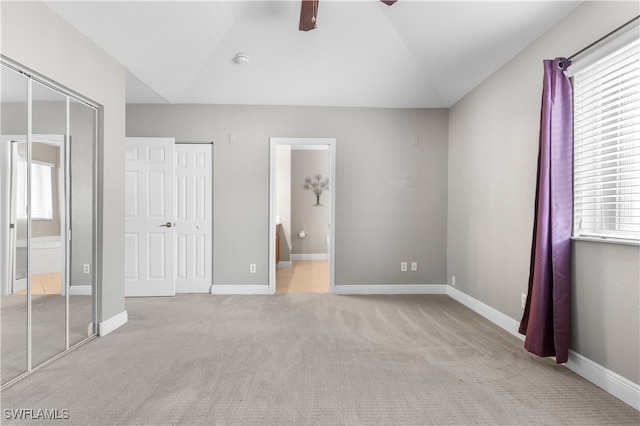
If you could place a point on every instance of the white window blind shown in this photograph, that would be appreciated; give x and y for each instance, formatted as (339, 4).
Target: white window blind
(41, 191)
(607, 145)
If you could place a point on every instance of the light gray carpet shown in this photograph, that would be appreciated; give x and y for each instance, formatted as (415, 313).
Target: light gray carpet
(300, 359)
(48, 329)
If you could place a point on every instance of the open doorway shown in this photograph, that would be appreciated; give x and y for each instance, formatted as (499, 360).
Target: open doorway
(301, 215)
(47, 210)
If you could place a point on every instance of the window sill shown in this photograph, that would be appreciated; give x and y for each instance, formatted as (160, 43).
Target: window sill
(608, 240)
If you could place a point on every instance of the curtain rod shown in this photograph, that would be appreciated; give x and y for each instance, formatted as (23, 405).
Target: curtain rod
(603, 38)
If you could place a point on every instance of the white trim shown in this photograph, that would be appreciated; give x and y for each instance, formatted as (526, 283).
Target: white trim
(112, 323)
(309, 256)
(41, 242)
(284, 264)
(240, 289)
(390, 289)
(606, 240)
(618, 386)
(503, 321)
(310, 147)
(6, 234)
(80, 290)
(193, 288)
(623, 389)
(20, 285)
(301, 142)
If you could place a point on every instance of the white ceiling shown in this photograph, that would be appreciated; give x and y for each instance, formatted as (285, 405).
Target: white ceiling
(363, 53)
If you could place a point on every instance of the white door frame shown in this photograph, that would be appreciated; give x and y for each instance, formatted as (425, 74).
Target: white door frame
(273, 143)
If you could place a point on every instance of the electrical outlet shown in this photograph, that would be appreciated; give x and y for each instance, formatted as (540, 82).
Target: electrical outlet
(523, 300)
(403, 266)
(86, 268)
(453, 280)
(252, 268)
(414, 266)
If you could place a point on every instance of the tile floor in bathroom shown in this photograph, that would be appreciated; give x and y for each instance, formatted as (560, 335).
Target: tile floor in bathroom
(305, 276)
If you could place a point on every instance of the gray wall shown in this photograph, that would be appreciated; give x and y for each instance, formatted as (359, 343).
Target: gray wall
(82, 130)
(57, 51)
(391, 196)
(493, 148)
(305, 215)
(283, 199)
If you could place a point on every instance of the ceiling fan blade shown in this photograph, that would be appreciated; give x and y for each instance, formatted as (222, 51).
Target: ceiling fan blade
(388, 2)
(308, 15)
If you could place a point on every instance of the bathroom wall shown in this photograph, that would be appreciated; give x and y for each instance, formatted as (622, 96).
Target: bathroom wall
(305, 214)
(283, 199)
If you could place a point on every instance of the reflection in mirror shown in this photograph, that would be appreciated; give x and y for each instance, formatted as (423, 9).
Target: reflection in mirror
(82, 130)
(47, 188)
(13, 249)
(47, 256)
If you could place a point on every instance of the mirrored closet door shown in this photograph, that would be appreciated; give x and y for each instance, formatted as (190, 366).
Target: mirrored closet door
(47, 223)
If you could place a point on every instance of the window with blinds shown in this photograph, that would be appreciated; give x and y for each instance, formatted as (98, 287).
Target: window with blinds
(607, 144)
(41, 191)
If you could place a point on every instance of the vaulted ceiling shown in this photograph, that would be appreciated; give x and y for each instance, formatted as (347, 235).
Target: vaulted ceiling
(363, 53)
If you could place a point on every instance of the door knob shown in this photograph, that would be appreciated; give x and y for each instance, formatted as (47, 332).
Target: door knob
(166, 225)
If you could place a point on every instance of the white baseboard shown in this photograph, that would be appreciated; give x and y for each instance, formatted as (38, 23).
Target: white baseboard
(80, 290)
(501, 320)
(613, 383)
(618, 386)
(191, 288)
(112, 323)
(19, 285)
(390, 289)
(240, 289)
(284, 264)
(309, 256)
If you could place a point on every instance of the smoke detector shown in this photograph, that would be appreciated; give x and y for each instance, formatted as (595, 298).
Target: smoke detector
(242, 59)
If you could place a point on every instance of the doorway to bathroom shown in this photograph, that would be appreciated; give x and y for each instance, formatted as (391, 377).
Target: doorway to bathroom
(302, 215)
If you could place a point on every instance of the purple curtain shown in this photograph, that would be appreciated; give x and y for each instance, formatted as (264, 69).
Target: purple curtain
(548, 310)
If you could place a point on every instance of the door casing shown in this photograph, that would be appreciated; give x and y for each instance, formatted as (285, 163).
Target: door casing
(273, 143)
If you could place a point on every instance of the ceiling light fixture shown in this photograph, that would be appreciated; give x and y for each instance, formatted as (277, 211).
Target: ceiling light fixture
(242, 59)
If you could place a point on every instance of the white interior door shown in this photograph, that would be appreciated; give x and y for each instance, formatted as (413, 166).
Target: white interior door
(149, 221)
(193, 213)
